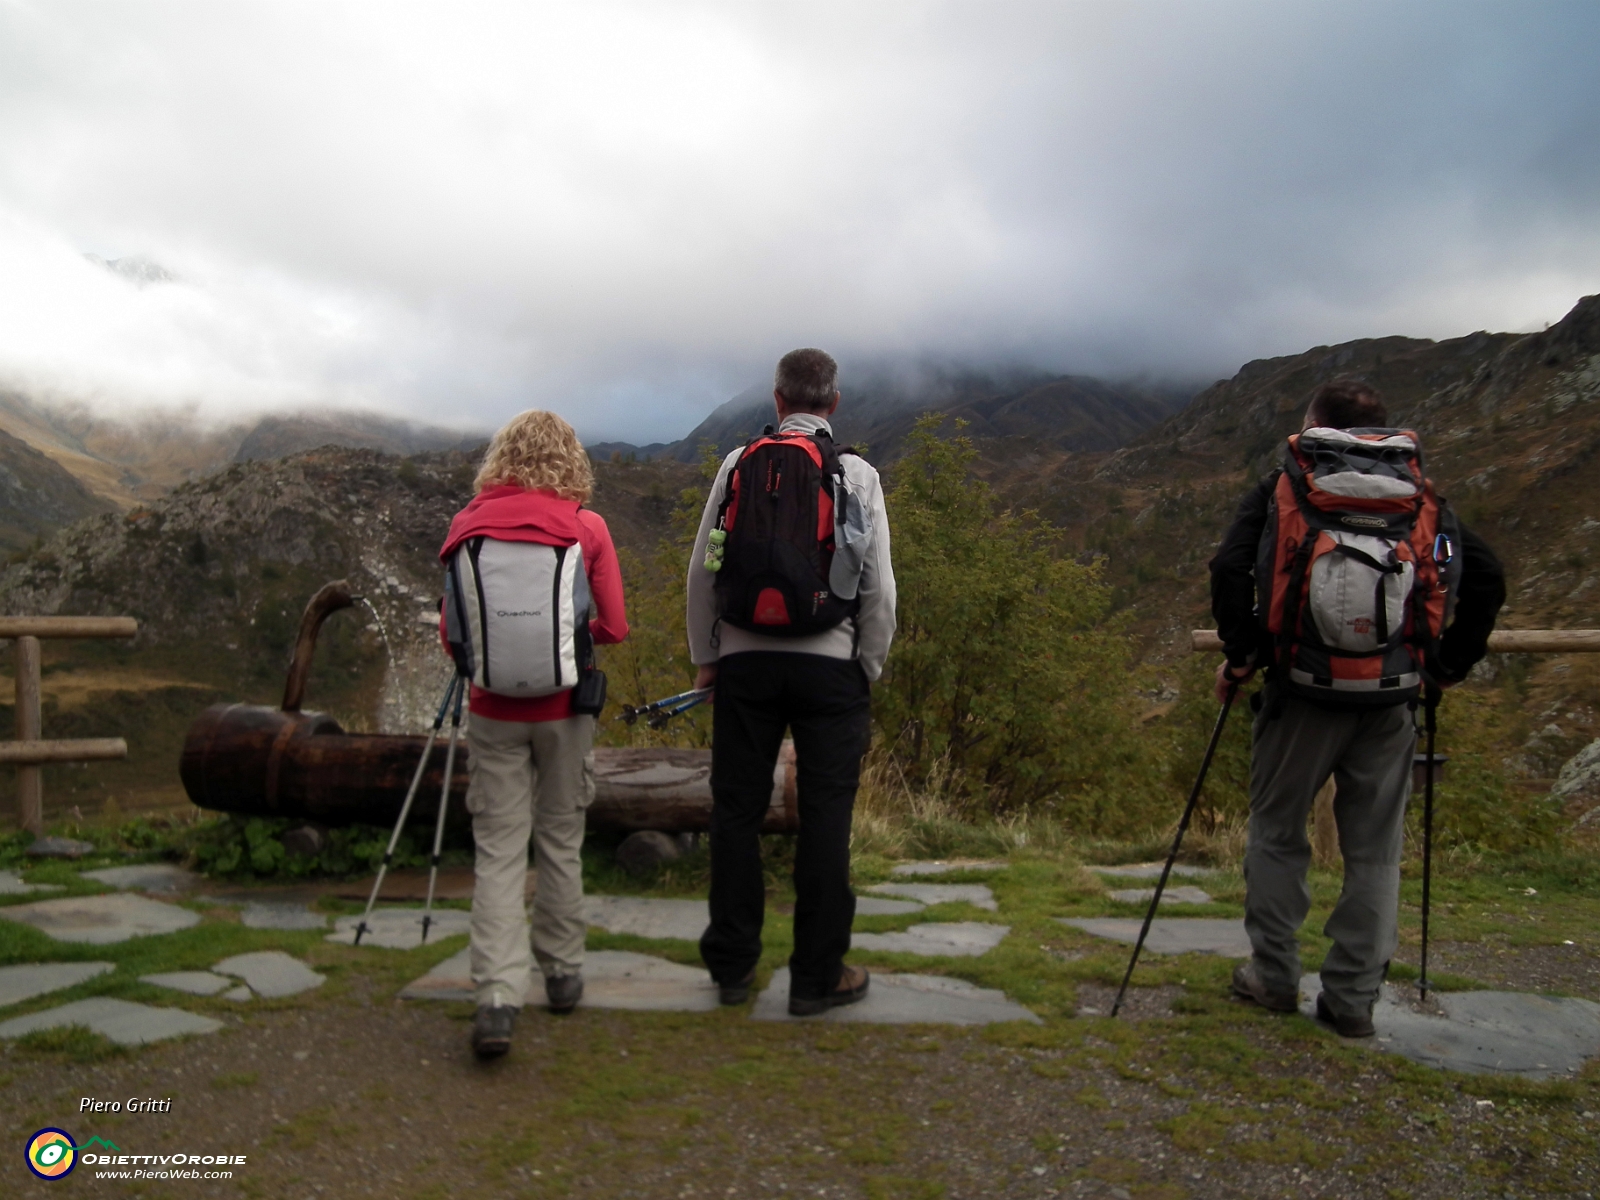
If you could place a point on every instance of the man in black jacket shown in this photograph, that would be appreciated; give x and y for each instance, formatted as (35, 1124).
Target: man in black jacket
(1298, 742)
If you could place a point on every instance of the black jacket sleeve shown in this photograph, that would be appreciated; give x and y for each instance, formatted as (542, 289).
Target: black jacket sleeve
(1478, 599)
(1233, 577)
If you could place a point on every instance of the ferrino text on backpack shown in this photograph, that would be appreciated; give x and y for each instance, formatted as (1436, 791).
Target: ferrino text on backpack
(785, 511)
(1357, 570)
(517, 616)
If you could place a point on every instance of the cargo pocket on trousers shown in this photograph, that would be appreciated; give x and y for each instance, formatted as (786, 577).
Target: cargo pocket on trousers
(475, 787)
(586, 782)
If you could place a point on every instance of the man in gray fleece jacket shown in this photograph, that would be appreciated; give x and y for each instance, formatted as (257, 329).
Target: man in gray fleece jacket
(817, 686)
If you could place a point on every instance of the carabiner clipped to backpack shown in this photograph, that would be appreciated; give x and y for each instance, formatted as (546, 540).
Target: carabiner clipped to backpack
(1444, 550)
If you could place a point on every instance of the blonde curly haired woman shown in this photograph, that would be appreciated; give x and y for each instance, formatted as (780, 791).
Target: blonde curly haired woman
(532, 763)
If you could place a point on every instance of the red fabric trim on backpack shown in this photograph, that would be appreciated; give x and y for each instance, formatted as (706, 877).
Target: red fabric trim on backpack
(771, 608)
(1421, 546)
(1368, 667)
(825, 515)
(801, 440)
(733, 500)
(1292, 530)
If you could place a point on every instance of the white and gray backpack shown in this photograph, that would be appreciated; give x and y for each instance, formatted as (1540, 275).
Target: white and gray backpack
(517, 616)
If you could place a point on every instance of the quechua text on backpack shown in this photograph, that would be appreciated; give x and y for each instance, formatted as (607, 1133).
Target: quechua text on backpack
(1357, 568)
(773, 544)
(517, 616)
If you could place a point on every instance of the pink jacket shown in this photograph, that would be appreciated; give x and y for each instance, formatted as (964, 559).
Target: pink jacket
(513, 514)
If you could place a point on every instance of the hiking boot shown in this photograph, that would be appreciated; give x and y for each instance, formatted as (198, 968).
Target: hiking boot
(1247, 985)
(491, 1030)
(1349, 1027)
(737, 993)
(852, 987)
(563, 992)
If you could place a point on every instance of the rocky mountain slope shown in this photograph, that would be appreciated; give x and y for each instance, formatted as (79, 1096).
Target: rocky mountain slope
(1511, 426)
(278, 437)
(218, 572)
(1064, 413)
(37, 495)
(125, 462)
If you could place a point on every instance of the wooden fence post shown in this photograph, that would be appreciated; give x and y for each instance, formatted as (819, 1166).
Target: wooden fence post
(30, 779)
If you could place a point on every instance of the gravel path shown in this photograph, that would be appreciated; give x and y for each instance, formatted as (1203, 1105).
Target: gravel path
(353, 1094)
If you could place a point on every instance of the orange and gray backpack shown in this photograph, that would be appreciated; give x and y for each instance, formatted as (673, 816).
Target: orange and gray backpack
(773, 547)
(1357, 571)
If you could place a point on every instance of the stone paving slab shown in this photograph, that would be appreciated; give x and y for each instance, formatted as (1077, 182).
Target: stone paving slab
(146, 877)
(642, 916)
(941, 893)
(195, 983)
(121, 1021)
(255, 915)
(304, 894)
(239, 993)
(941, 866)
(411, 883)
(1151, 871)
(611, 979)
(11, 884)
(1172, 935)
(903, 1000)
(101, 920)
(1172, 895)
(27, 980)
(1479, 1033)
(880, 906)
(400, 928)
(960, 939)
(272, 973)
(59, 847)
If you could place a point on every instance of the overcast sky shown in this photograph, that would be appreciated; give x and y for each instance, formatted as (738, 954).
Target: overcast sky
(626, 212)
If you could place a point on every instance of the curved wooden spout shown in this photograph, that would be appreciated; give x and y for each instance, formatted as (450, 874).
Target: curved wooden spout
(329, 600)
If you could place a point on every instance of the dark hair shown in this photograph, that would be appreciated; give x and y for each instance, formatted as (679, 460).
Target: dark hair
(807, 380)
(1347, 404)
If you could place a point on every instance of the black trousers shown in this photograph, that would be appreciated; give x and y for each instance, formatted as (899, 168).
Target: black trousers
(825, 701)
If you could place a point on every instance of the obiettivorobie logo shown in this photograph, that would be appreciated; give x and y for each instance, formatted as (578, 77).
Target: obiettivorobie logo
(52, 1154)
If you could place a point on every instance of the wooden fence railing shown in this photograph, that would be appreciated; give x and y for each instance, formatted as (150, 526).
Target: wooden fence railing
(31, 750)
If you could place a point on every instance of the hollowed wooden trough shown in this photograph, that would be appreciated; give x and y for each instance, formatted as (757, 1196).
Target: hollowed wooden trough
(282, 762)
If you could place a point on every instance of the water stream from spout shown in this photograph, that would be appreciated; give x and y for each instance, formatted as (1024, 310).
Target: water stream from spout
(383, 632)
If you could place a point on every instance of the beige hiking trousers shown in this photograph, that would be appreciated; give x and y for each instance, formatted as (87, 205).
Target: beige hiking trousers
(528, 779)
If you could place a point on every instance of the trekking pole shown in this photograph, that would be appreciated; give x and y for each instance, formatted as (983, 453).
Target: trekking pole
(662, 716)
(405, 809)
(444, 807)
(1183, 825)
(631, 713)
(1430, 708)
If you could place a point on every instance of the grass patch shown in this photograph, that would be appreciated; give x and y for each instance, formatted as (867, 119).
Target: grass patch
(70, 1043)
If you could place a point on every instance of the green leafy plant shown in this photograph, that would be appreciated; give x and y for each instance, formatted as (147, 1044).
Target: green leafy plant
(1007, 682)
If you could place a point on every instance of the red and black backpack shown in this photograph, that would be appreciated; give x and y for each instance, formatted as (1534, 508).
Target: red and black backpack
(1357, 571)
(777, 523)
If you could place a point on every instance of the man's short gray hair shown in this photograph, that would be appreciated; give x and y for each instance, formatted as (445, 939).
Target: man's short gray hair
(807, 380)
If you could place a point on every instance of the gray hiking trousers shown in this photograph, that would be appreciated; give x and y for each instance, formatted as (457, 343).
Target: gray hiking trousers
(1295, 746)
